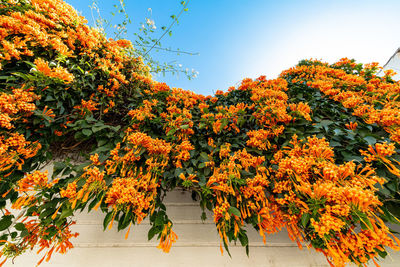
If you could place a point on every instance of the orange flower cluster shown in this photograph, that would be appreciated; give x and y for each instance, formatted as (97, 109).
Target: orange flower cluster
(182, 152)
(224, 150)
(14, 149)
(34, 181)
(94, 182)
(271, 99)
(70, 191)
(87, 106)
(16, 104)
(312, 186)
(38, 236)
(372, 98)
(144, 112)
(351, 125)
(134, 189)
(250, 196)
(168, 237)
(153, 146)
(59, 72)
(189, 180)
(227, 118)
(381, 151)
(303, 109)
(259, 138)
(179, 121)
(134, 194)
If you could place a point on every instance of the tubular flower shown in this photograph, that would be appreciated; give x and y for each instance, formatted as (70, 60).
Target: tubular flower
(168, 237)
(182, 152)
(58, 72)
(34, 181)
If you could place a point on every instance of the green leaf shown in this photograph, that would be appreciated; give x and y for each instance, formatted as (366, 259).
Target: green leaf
(152, 232)
(338, 132)
(5, 222)
(204, 155)
(66, 213)
(203, 216)
(370, 140)
(305, 218)
(87, 132)
(97, 128)
(20, 227)
(171, 132)
(244, 240)
(334, 143)
(234, 211)
(160, 218)
(185, 126)
(124, 221)
(107, 219)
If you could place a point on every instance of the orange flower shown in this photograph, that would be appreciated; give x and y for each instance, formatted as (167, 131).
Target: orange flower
(58, 72)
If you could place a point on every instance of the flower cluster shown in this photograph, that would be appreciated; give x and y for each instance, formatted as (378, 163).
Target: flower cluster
(371, 97)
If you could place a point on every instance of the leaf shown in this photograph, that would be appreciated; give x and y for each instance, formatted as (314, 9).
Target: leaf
(338, 132)
(87, 132)
(66, 213)
(124, 221)
(234, 211)
(244, 240)
(227, 249)
(97, 128)
(334, 143)
(305, 218)
(171, 132)
(204, 156)
(160, 218)
(107, 220)
(324, 124)
(370, 140)
(185, 126)
(20, 227)
(49, 98)
(5, 222)
(152, 232)
(203, 216)
(58, 167)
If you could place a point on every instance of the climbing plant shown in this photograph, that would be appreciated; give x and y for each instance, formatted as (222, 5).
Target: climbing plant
(314, 151)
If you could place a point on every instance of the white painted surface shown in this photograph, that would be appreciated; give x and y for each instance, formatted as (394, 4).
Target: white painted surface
(393, 64)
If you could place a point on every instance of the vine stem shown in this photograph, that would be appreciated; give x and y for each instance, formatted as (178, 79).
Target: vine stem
(167, 30)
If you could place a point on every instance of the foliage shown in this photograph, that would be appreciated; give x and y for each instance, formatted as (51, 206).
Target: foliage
(313, 151)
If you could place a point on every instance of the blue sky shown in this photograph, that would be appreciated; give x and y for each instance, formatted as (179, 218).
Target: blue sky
(238, 39)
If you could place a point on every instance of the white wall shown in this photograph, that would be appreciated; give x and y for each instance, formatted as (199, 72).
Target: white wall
(393, 64)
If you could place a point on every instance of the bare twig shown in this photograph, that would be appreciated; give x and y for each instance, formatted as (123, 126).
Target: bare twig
(169, 28)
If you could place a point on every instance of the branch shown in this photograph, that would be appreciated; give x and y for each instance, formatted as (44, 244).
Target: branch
(167, 30)
(171, 50)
